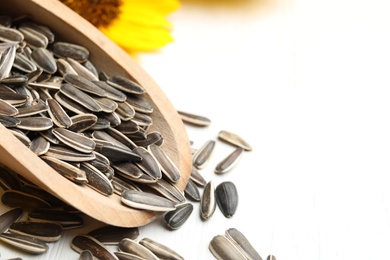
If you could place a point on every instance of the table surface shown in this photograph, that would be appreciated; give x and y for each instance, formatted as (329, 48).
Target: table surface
(306, 84)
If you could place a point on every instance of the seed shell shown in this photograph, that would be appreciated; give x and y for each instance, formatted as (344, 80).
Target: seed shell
(74, 140)
(28, 202)
(168, 167)
(194, 119)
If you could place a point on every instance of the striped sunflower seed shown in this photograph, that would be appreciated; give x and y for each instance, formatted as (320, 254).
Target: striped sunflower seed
(229, 162)
(223, 249)
(234, 139)
(208, 203)
(67, 220)
(242, 243)
(130, 246)
(44, 59)
(80, 97)
(47, 232)
(167, 166)
(80, 243)
(57, 114)
(25, 243)
(19, 199)
(9, 217)
(202, 156)
(160, 250)
(74, 140)
(125, 84)
(194, 119)
(147, 201)
(70, 50)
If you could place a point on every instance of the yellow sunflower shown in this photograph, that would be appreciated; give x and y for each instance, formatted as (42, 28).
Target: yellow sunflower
(135, 25)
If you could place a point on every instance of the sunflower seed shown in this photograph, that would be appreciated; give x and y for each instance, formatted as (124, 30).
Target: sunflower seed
(9, 121)
(14, 98)
(69, 154)
(130, 246)
(39, 145)
(46, 232)
(229, 162)
(16, 80)
(148, 163)
(9, 217)
(127, 127)
(107, 105)
(7, 56)
(147, 201)
(125, 84)
(121, 185)
(40, 28)
(168, 167)
(113, 118)
(24, 64)
(143, 120)
(80, 97)
(16, 199)
(160, 250)
(81, 70)
(127, 169)
(167, 190)
(70, 104)
(25, 243)
(35, 123)
(271, 257)
(57, 114)
(176, 218)
(33, 38)
(10, 35)
(153, 137)
(192, 191)
(74, 140)
(44, 59)
(139, 104)
(242, 243)
(81, 243)
(234, 139)
(226, 196)
(63, 67)
(125, 111)
(6, 109)
(66, 219)
(223, 249)
(70, 50)
(111, 92)
(32, 110)
(194, 119)
(84, 85)
(97, 180)
(208, 203)
(82, 122)
(66, 169)
(112, 235)
(128, 256)
(197, 178)
(101, 162)
(121, 138)
(202, 156)
(118, 154)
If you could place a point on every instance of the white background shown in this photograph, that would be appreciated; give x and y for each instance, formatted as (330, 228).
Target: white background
(306, 83)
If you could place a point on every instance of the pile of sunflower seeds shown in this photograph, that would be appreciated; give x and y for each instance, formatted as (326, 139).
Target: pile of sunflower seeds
(92, 128)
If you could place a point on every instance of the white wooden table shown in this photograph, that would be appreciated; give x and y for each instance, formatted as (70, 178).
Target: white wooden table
(307, 84)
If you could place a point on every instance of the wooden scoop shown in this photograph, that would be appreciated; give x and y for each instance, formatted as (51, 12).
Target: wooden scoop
(108, 57)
